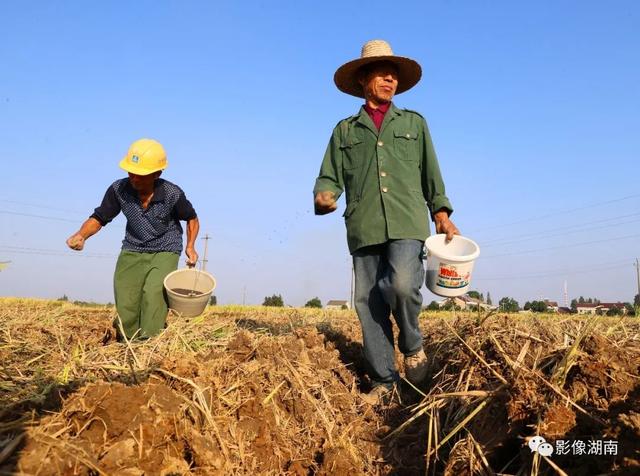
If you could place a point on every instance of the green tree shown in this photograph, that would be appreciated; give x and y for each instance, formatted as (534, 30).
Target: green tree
(581, 300)
(64, 298)
(433, 306)
(508, 304)
(213, 300)
(631, 311)
(489, 298)
(527, 306)
(274, 301)
(450, 305)
(315, 302)
(636, 300)
(538, 306)
(474, 294)
(614, 311)
(574, 305)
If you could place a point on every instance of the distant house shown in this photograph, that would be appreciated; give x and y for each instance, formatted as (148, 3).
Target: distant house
(336, 304)
(552, 306)
(456, 301)
(564, 310)
(587, 308)
(466, 303)
(601, 308)
(607, 306)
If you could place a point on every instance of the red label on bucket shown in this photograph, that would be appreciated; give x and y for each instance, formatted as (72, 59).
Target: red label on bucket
(448, 277)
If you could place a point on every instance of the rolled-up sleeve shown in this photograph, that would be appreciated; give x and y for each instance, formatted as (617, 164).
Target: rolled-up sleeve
(108, 209)
(330, 177)
(432, 183)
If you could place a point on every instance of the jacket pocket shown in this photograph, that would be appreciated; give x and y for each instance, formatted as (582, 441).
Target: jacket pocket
(418, 196)
(353, 149)
(351, 206)
(405, 142)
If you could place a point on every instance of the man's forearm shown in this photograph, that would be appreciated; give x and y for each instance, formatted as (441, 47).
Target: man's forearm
(89, 228)
(193, 227)
(441, 214)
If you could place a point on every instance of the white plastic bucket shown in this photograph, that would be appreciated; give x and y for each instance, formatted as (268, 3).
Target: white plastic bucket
(449, 265)
(178, 283)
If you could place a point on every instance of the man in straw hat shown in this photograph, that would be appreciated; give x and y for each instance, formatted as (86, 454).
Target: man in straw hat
(152, 244)
(384, 160)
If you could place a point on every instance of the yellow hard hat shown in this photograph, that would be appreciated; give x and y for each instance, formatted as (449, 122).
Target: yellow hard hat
(145, 157)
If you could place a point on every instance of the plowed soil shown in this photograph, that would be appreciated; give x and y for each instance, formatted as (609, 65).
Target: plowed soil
(262, 391)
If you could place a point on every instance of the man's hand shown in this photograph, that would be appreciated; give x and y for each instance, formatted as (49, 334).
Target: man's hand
(325, 202)
(76, 242)
(444, 225)
(89, 228)
(192, 256)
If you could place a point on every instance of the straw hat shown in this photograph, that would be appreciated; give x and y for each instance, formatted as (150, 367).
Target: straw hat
(346, 78)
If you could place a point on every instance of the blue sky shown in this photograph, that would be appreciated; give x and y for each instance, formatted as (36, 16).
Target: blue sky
(533, 109)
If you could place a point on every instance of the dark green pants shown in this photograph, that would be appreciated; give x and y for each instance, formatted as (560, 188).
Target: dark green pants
(139, 292)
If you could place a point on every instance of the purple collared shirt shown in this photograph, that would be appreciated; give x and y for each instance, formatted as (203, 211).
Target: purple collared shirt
(377, 115)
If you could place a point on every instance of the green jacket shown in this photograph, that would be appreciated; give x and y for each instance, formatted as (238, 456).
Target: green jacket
(388, 177)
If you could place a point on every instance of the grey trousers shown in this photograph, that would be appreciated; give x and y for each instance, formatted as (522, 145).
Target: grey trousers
(388, 281)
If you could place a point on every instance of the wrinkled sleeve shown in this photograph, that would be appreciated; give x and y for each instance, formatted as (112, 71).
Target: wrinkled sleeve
(108, 209)
(432, 183)
(330, 176)
(183, 210)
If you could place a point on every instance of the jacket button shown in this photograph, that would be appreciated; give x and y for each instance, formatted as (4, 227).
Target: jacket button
(385, 189)
(408, 136)
(380, 143)
(383, 174)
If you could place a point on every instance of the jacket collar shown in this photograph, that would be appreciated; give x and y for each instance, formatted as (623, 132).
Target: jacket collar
(365, 120)
(391, 114)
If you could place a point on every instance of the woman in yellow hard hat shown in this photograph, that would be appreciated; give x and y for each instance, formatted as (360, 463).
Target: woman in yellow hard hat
(153, 239)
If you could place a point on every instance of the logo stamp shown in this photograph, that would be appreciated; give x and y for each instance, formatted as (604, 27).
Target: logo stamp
(449, 277)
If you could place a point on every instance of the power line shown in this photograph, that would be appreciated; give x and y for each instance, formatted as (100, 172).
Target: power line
(52, 252)
(558, 272)
(553, 235)
(572, 245)
(545, 232)
(38, 216)
(60, 253)
(27, 248)
(45, 207)
(560, 212)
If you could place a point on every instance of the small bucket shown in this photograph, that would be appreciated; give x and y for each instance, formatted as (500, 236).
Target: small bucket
(189, 290)
(449, 265)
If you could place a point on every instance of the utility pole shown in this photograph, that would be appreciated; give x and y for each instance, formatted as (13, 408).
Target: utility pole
(638, 274)
(204, 259)
(244, 295)
(566, 295)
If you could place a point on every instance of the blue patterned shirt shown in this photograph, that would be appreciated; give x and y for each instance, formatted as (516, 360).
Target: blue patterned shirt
(151, 230)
